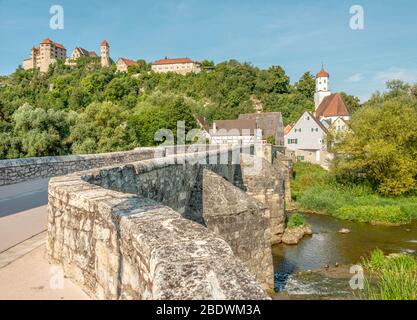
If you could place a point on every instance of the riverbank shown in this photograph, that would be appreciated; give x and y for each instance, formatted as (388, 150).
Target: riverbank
(315, 190)
(319, 266)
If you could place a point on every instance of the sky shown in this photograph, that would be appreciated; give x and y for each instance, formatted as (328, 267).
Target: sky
(298, 35)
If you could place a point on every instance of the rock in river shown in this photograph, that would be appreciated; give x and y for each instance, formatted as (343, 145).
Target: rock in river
(344, 231)
(294, 235)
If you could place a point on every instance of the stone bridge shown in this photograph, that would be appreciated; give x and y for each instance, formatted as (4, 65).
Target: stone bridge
(169, 224)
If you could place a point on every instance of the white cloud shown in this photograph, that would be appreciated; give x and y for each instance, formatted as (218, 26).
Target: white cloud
(397, 74)
(355, 77)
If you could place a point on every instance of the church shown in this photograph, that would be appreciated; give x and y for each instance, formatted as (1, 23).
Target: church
(307, 138)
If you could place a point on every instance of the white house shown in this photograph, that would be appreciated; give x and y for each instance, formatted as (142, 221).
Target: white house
(242, 132)
(307, 138)
(177, 65)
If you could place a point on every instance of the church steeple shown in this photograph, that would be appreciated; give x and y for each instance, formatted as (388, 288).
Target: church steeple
(322, 86)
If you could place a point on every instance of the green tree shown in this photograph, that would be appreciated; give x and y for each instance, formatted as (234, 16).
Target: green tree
(101, 128)
(273, 80)
(41, 132)
(160, 111)
(352, 102)
(382, 147)
(306, 85)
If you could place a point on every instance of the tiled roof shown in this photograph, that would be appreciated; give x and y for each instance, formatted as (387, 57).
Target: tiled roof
(58, 45)
(322, 73)
(49, 41)
(332, 106)
(287, 129)
(82, 51)
(104, 43)
(86, 53)
(128, 62)
(269, 122)
(173, 61)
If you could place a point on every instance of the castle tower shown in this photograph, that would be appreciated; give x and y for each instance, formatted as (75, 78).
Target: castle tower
(33, 58)
(105, 54)
(322, 87)
(46, 54)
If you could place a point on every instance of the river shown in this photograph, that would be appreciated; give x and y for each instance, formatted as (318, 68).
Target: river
(327, 247)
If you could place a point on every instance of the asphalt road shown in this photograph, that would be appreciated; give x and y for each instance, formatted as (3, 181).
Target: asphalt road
(23, 211)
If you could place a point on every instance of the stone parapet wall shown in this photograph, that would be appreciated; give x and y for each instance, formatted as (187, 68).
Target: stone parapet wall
(182, 226)
(20, 170)
(124, 246)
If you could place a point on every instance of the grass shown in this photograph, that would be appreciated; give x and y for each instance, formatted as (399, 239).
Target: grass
(296, 220)
(396, 277)
(315, 189)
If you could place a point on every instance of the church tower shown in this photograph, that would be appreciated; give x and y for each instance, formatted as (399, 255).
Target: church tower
(322, 87)
(105, 54)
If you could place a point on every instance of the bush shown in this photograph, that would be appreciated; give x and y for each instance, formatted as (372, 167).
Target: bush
(296, 220)
(373, 214)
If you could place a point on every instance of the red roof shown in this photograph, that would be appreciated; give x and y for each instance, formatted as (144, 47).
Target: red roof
(173, 61)
(49, 41)
(58, 45)
(332, 106)
(128, 62)
(322, 74)
(104, 43)
(287, 129)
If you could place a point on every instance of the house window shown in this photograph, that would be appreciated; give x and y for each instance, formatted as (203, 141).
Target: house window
(292, 141)
(300, 158)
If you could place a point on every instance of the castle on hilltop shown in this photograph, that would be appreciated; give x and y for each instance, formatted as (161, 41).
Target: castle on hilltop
(44, 55)
(49, 52)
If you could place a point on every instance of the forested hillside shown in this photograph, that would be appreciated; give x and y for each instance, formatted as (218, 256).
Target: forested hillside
(86, 108)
